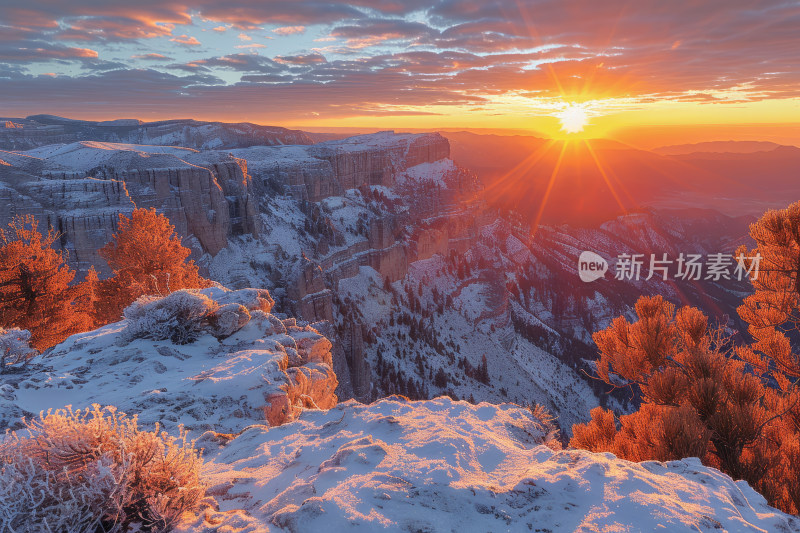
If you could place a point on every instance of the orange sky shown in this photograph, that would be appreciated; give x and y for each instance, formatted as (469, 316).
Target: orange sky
(646, 72)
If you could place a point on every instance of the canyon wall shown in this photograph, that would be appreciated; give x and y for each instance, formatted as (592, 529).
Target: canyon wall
(207, 197)
(328, 169)
(214, 196)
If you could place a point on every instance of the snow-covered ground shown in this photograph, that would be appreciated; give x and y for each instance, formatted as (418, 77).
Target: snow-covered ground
(445, 466)
(394, 465)
(243, 366)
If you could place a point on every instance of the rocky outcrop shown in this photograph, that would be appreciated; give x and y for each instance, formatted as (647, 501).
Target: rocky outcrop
(40, 130)
(308, 291)
(212, 360)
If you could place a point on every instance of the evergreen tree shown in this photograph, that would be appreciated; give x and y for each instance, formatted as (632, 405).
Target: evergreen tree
(483, 371)
(146, 257)
(35, 290)
(737, 409)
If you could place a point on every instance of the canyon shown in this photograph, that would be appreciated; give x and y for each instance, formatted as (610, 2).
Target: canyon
(382, 243)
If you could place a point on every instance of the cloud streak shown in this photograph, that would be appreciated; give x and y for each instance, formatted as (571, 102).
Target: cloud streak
(440, 53)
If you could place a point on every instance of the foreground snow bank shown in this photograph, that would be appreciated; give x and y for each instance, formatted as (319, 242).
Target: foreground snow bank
(442, 466)
(211, 359)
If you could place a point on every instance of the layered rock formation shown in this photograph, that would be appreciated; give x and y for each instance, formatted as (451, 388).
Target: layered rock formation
(80, 189)
(426, 206)
(328, 169)
(434, 209)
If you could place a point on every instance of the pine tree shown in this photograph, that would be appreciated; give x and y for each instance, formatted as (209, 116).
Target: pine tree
(146, 257)
(698, 399)
(483, 371)
(775, 305)
(441, 379)
(35, 290)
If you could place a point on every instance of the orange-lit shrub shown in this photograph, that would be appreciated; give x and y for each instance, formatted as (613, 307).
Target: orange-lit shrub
(94, 470)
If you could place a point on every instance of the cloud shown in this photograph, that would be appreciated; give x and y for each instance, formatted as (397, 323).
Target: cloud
(244, 37)
(185, 40)
(42, 51)
(307, 59)
(152, 57)
(113, 28)
(142, 16)
(439, 52)
(289, 30)
(191, 67)
(384, 29)
(243, 63)
(269, 88)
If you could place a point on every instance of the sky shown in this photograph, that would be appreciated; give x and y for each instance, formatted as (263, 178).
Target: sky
(624, 66)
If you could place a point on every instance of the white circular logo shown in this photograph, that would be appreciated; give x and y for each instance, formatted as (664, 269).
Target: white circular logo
(591, 266)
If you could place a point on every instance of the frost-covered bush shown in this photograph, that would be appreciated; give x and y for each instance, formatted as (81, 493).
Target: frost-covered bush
(94, 470)
(179, 317)
(15, 347)
(549, 425)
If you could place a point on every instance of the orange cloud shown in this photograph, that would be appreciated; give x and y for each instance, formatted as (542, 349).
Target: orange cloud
(186, 40)
(289, 30)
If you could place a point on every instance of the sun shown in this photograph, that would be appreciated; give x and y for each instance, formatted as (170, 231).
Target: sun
(573, 118)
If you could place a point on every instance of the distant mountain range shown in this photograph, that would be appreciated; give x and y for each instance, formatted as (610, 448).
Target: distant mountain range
(40, 130)
(598, 179)
(730, 147)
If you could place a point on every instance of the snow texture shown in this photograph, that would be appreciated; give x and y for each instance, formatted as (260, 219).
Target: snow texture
(238, 366)
(443, 466)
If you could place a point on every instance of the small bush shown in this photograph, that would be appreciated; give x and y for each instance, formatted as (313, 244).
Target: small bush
(94, 470)
(549, 425)
(179, 317)
(15, 348)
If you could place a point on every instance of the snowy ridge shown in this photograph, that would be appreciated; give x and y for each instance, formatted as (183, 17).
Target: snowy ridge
(86, 155)
(243, 366)
(442, 466)
(39, 130)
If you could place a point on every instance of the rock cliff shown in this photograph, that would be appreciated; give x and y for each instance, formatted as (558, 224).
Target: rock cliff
(381, 201)
(79, 189)
(327, 169)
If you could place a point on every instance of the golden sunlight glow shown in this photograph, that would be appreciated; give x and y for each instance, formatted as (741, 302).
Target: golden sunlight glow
(573, 118)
